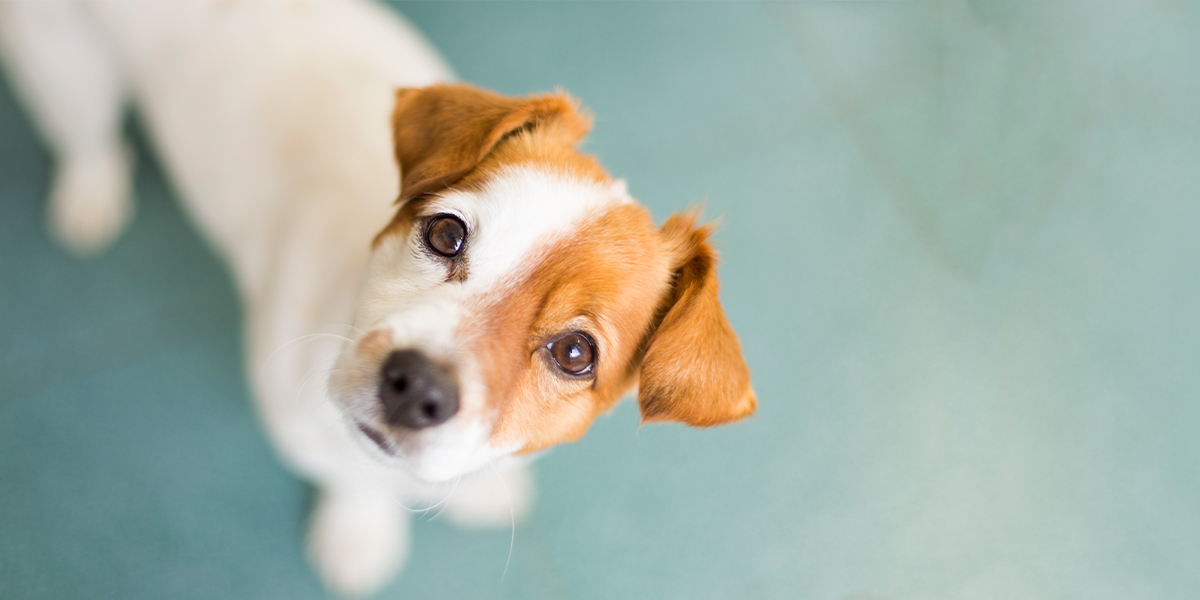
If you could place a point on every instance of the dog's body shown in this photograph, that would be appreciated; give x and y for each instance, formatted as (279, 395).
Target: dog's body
(273, 120)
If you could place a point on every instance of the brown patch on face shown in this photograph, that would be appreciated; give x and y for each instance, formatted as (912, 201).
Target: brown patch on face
(443, 132)
(648, 298)
(375, 343)
(605, 280)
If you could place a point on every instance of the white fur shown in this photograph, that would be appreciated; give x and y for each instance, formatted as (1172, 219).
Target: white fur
(506, 232)
(343, 539)
(520, 212)
(273, 120)
(59, 65)
(90, 201)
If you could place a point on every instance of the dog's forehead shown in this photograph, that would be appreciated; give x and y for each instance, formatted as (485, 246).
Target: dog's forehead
(609, 271)
(519, 211)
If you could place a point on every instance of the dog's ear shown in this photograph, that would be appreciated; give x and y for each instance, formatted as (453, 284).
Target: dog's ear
(443, 131)
(693, 370)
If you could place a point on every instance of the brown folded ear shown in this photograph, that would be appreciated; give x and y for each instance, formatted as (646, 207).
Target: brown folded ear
(693, 370)
(443, 131)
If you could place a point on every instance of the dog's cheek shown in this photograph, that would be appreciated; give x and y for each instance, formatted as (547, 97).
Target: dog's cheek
(544, 410)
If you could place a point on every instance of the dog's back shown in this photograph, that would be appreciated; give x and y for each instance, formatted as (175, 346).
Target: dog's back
(274, 121)
(265, 112)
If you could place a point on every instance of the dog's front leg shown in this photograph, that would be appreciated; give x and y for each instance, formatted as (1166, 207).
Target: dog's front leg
(358, 538)
(493, 497)
(66, 77)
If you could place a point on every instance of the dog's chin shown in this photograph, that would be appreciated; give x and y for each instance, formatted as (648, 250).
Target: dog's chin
(428, 455)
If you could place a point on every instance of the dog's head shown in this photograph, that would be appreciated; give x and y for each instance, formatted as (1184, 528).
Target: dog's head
(519, 292)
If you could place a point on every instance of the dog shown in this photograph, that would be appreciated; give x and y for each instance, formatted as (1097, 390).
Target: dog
(501, 288)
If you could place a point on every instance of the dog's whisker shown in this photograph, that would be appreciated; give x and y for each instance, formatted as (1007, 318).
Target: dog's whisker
(401, 504)
(318, 374)
(306, 338)
(313, 373)
(322, 374)
(512, 517)
(445, 501)
(345, 326)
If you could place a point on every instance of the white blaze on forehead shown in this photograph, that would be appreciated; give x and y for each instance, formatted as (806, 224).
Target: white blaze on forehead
(519, 209)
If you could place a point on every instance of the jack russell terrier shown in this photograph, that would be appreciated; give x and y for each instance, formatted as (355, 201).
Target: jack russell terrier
(511, 293)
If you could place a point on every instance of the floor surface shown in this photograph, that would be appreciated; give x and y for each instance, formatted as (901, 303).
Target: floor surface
(960, 248)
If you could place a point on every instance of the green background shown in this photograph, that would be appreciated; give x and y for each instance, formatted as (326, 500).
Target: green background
(960, 248)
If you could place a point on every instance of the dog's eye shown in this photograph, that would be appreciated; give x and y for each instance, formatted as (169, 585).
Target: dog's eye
(445, 235)
(574, 353)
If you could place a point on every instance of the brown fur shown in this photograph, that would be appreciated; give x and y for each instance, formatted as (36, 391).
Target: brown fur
(442, 132)
(606, 280)
(648, 297)
(693, 370)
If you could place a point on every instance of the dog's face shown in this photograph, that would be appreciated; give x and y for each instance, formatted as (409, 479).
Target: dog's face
(519, 292)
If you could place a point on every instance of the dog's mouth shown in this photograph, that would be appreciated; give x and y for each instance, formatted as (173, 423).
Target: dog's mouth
(379, 439)
(413, 409)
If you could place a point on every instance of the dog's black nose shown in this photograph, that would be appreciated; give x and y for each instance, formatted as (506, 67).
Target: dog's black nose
(415, 392)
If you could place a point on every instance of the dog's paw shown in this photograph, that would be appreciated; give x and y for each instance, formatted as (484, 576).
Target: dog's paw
(90, 201)
(492, 498)
(357, 540)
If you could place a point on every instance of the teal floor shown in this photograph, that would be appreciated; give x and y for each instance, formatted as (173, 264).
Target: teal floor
(962, 251)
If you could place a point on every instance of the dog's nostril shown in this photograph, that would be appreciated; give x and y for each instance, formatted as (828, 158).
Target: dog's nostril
(400, 384)
(430, 409)
(416, 392)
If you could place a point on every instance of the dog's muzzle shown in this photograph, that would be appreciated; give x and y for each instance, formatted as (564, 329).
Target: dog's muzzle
(415, 392)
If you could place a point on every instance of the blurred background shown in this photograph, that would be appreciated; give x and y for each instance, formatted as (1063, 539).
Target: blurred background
(960, 248)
